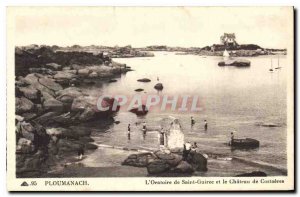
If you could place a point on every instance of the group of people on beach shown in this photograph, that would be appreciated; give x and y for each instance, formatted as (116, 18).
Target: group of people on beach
(129, 129)
(187, 148)
(193, 122)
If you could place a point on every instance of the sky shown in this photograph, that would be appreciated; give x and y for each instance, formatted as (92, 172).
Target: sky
(143, 26)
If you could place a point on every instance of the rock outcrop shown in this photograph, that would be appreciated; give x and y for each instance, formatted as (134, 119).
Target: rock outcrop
(237, 63)
(144, 80)
(140, 111)
(49, 108)
(165, 162)
(159, 86)
(24, 105)
(253, 174)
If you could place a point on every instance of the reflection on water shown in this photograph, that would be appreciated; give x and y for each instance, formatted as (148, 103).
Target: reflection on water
(232, 99)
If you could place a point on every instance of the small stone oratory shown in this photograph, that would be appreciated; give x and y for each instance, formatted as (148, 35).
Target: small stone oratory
(171, 136)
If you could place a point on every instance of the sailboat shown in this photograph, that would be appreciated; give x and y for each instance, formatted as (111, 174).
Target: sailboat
(278, 67)
(225, 53)
(271, 69)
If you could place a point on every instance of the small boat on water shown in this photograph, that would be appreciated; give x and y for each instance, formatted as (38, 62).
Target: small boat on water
(244, 143)
(271, 69)
(278, 67)
(226, 54)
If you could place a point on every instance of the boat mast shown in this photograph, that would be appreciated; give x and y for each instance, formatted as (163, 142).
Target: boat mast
(271, 64)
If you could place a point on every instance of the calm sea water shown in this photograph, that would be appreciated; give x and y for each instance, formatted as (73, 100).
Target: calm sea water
(232, 98)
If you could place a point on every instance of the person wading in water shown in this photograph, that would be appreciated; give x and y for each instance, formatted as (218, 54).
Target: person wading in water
(205, 125)
(231, 138)
(192, 121)
(144, 127)
(186, 150)
(80, 152)
(128, 131)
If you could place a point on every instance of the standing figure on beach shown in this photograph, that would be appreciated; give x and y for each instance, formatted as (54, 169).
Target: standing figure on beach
(205, 125)
(128, 131)
(194, 146)
(192, 121)
(144, 126)
(157, 78)
(80, 152)
(161, 137)
(186, 150)
(231, 138)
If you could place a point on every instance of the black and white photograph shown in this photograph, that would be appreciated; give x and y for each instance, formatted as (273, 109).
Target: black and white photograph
(199, 95)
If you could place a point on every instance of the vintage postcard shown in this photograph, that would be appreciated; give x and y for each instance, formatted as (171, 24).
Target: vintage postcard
(150, 98)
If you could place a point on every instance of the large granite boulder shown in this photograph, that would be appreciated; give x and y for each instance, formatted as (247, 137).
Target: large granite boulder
(80, 131)
(89, 106)
(46, 96)
(184, 167)
(84, 72)
(44, 71)
(30, 165)
(53, 66)
(140, 111)
(24, 105)
(170, 158)
(34, 80)
(64, 77)
(139, 160)
(27, 131)
(68, 95)
(198, 161)
(29, 92)
(159, 86)
(50, 84)
(87, 114)
(53, 105)
(82, 102)
(65, 145)
(144, 80)
(24, 146)
(158, 167)
(93, 75)
(103, 71)
(49, 118)
(90, 146)
(237, 63)
(56, 131)
(253, 174)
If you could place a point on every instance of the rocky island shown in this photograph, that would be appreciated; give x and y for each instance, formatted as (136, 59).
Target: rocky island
(228, 41)
(112, 52)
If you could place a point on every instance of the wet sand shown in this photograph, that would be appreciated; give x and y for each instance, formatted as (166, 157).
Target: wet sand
(109, 165)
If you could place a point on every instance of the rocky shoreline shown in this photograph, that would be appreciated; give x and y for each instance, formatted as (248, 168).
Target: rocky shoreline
(50, 102)
(240, 50)
(243, 50)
